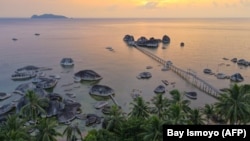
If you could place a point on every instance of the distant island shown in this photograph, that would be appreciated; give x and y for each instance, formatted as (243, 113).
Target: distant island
(48, 16)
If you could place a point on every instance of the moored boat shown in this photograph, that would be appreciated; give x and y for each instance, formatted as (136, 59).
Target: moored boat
(67, 62)
(100, 104)
(23, 75)
(165, 82)
(159, 89)
(191, 95)
(4, 95)
(207, 71)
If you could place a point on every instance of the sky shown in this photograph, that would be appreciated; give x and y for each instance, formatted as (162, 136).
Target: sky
(127, 8)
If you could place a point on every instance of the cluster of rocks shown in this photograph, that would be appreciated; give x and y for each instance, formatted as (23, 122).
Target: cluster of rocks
(237, 77)
(64, 109)
(144, 42)
(241, 62)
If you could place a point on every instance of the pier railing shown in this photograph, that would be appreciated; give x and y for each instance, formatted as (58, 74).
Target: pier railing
(186, 75)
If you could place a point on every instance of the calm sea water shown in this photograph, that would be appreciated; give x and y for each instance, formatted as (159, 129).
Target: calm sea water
(207, 41)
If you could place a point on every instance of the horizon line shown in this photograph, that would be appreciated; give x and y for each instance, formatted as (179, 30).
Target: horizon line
(134, 18)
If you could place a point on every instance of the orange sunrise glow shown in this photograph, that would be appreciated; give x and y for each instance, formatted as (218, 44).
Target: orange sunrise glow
(127, 8)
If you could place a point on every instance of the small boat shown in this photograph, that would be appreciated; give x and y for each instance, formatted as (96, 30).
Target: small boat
(234, 60)
(207, 71)
(55, 76)
(4, 95)
(145, 75)
(14, 39)
(221, 76)
(182, 44)
(46, 83)
(165, 68)
(165, 82)
(23, 76)
(109, 48)
(100, 104)
(37, 34)
(160, 89)
(77, 79)
(71, 95)
(191, 95)
(67, 62)
(149, 67)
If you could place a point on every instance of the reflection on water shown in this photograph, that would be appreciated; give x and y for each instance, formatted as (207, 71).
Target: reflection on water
(207, 42)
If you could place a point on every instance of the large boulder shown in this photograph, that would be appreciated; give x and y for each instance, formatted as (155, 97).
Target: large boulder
(88, 75)
(165, 39)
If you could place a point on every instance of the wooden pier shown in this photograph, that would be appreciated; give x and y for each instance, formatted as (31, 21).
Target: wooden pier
(186, 75)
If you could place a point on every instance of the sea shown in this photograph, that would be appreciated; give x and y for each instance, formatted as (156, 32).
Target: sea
(209, 43)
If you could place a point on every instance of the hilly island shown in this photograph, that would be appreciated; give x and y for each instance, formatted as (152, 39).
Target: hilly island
(46, 16)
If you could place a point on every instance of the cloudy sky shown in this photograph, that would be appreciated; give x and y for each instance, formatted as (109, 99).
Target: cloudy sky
(126, 8)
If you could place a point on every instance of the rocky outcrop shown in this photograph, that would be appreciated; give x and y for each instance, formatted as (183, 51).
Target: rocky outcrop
(69, 112)
(92, 119)
(128, 38)
(237, 77)
(165, 39)
(101, 90)
(88, 75)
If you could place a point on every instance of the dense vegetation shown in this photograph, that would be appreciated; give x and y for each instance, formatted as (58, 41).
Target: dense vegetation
(143, 122)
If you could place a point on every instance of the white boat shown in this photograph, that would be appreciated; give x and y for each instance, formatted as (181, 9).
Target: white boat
(100, 104)
(55, 76)
(67, 62)
(221, 76)
(77, 79)
(4, 95)
(23, 76)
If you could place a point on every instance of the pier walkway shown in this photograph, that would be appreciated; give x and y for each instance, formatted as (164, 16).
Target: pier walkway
(186, 75)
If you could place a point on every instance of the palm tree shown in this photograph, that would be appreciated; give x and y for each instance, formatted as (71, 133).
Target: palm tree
(175, 115)
(140, 108)
(35, 105)
(130, 130)
(160, 105)
(195, 116)
(178, 99)
(114, 119)
(72, 131)
(208, 111)
(152, 129)
(233, 105)
(13, 129)
(46, 129)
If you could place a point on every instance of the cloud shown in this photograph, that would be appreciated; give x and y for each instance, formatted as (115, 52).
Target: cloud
(151, 5)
